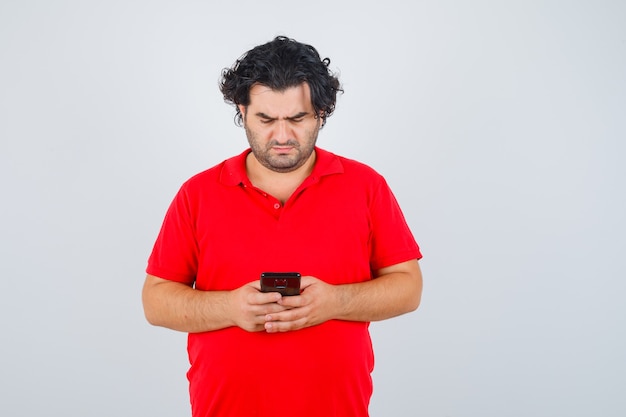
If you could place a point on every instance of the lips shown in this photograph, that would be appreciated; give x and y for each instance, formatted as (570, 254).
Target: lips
(282, 149)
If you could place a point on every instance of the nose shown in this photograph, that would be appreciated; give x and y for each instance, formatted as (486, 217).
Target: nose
(283, 131)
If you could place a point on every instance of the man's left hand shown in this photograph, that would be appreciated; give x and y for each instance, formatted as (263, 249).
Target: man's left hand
(316, 304)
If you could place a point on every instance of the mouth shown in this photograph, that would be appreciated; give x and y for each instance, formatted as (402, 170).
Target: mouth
(282, 149)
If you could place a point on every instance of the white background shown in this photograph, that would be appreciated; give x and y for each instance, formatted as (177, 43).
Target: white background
(500, 126)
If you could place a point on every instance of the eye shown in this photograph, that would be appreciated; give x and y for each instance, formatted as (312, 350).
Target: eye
(297, 119)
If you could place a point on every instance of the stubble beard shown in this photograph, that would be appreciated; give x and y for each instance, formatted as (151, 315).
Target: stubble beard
(282, 163)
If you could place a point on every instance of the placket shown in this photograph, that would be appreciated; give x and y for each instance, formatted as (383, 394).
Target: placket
(270, 203)
(273, 205)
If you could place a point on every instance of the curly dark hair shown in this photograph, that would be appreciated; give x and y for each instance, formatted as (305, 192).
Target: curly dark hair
(280, 64)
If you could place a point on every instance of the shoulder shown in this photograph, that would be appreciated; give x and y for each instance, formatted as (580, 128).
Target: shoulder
(203, 179)
(354, 166)
(350, 168)
(229, 172)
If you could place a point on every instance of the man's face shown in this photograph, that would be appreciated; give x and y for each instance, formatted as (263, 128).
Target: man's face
(281, 127)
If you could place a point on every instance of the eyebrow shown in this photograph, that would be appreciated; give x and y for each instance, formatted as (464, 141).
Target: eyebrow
(297, 116)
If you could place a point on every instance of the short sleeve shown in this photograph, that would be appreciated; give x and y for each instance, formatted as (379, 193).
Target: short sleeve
(392, 241)
(175, 252)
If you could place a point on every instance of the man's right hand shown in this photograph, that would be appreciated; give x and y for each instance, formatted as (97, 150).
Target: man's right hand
(249, 306)
(181, 307)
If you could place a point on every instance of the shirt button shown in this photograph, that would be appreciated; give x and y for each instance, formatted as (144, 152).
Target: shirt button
(276, 206)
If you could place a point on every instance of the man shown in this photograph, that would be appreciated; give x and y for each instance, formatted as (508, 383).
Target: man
(283, 205)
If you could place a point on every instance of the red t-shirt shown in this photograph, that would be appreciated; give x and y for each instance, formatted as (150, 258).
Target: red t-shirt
(221, 232)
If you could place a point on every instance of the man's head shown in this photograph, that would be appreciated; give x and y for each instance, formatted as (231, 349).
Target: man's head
(279, 65)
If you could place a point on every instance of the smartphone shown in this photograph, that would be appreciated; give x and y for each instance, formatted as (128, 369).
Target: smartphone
(286, 283)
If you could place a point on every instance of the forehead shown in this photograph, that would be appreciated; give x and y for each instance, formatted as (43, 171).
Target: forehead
(286, 103)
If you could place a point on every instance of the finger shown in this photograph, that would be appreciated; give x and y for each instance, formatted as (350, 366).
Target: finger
(254, 327)
(292, 301)
(307, 281)
(265, 310)
(284, 326)
(288, 315)
(259, 298)
(256, 322)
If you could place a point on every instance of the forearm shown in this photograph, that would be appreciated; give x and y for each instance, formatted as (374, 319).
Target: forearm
(390, 294)
(395, 290)
(180, 307)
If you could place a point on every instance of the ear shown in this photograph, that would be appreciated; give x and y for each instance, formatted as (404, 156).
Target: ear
(242, 110)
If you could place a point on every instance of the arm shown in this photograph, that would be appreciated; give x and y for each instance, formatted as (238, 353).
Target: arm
(395, 290)
(180, 307)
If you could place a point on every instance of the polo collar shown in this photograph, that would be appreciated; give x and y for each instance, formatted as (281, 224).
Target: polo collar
(234, 169)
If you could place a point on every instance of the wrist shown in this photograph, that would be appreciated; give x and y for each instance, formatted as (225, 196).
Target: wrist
(342, 300)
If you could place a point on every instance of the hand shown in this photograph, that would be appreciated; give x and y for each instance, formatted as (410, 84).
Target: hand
(316, 304)
(249, 306)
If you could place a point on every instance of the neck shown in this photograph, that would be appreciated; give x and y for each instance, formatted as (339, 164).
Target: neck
(279, 184)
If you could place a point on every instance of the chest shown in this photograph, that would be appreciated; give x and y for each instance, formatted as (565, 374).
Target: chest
(252, 232)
